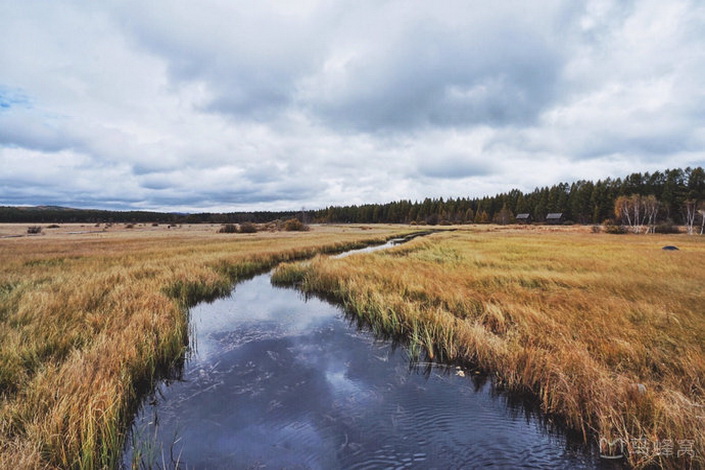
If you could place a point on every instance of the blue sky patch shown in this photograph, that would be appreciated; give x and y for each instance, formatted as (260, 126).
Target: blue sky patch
(13, 97)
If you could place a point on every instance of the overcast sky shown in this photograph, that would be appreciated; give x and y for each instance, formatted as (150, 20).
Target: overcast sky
(226, 105)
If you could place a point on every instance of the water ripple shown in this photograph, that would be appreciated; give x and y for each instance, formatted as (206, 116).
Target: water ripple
(291, 384)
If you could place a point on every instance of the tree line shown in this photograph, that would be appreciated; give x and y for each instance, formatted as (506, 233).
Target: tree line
(55, 214)
(583, 202)
(679, 196)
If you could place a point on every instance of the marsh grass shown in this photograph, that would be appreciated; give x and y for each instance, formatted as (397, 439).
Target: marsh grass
(88, 324)
(608, 333)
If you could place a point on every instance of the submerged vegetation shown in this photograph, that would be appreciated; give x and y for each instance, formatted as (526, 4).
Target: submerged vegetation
(608, 332)
(89, 322)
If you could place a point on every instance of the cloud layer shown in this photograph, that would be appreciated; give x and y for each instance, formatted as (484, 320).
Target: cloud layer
(228, 105)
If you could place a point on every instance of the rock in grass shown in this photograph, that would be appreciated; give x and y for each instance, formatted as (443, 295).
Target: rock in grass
(670, 248)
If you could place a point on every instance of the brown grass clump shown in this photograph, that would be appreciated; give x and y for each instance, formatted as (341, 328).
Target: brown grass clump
(228, 228)
(248, 227)
(608, 332)
(295, 225)
(88, 322)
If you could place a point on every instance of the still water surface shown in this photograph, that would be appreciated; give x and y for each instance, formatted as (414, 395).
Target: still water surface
(278, 380)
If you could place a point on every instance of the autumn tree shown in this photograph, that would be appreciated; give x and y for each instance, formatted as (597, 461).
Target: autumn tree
(504, 216)
(636, 211)
(481, 217)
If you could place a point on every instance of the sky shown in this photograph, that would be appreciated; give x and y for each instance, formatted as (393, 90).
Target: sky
(228, 105)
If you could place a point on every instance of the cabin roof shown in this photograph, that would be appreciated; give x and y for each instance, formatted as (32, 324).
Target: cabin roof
(523, 216)
(554, 215)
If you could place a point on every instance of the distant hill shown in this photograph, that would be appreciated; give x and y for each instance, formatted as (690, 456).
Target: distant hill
(57, 214)
(45, 208)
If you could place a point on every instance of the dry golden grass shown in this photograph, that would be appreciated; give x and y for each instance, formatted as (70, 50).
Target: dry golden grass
(580, 320)
(89, 320)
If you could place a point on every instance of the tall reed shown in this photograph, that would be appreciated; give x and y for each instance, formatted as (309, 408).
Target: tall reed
(88, 323)
(608, 332)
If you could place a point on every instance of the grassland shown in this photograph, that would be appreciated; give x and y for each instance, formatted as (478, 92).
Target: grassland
(89, 319)
(607, 331)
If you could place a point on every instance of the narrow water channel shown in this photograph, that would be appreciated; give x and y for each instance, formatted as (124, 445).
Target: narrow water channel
(277, 380)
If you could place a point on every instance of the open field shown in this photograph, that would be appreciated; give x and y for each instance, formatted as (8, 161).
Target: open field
(608, 331)
(89, 320)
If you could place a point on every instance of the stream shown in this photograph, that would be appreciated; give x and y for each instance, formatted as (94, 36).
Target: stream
(278, 380)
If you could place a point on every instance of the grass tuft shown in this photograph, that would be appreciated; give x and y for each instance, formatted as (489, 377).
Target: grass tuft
(607, 332)
(89, 322)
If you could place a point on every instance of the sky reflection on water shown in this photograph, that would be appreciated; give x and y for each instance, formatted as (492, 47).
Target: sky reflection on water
(280, 381)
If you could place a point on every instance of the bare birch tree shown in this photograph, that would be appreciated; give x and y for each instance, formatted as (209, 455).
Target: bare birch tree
(636, 211)
(650, 206)
(690, 211)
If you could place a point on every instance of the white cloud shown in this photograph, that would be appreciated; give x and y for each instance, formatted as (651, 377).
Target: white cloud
(229, 105)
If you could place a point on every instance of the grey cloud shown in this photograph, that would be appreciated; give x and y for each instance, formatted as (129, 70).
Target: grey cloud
(650, 147)
(249, 54)
(229, 198)
(437, 77)
(290, 192)
(37, 129)
(20, 128)
(264, 173)
(156, 184)
(238, 105)
(461, 64)
(226, 186)
(150, 166)
(454, 167)
(53, 196)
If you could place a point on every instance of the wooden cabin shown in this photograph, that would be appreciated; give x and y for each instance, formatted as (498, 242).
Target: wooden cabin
(524, 218)
(554, 218)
